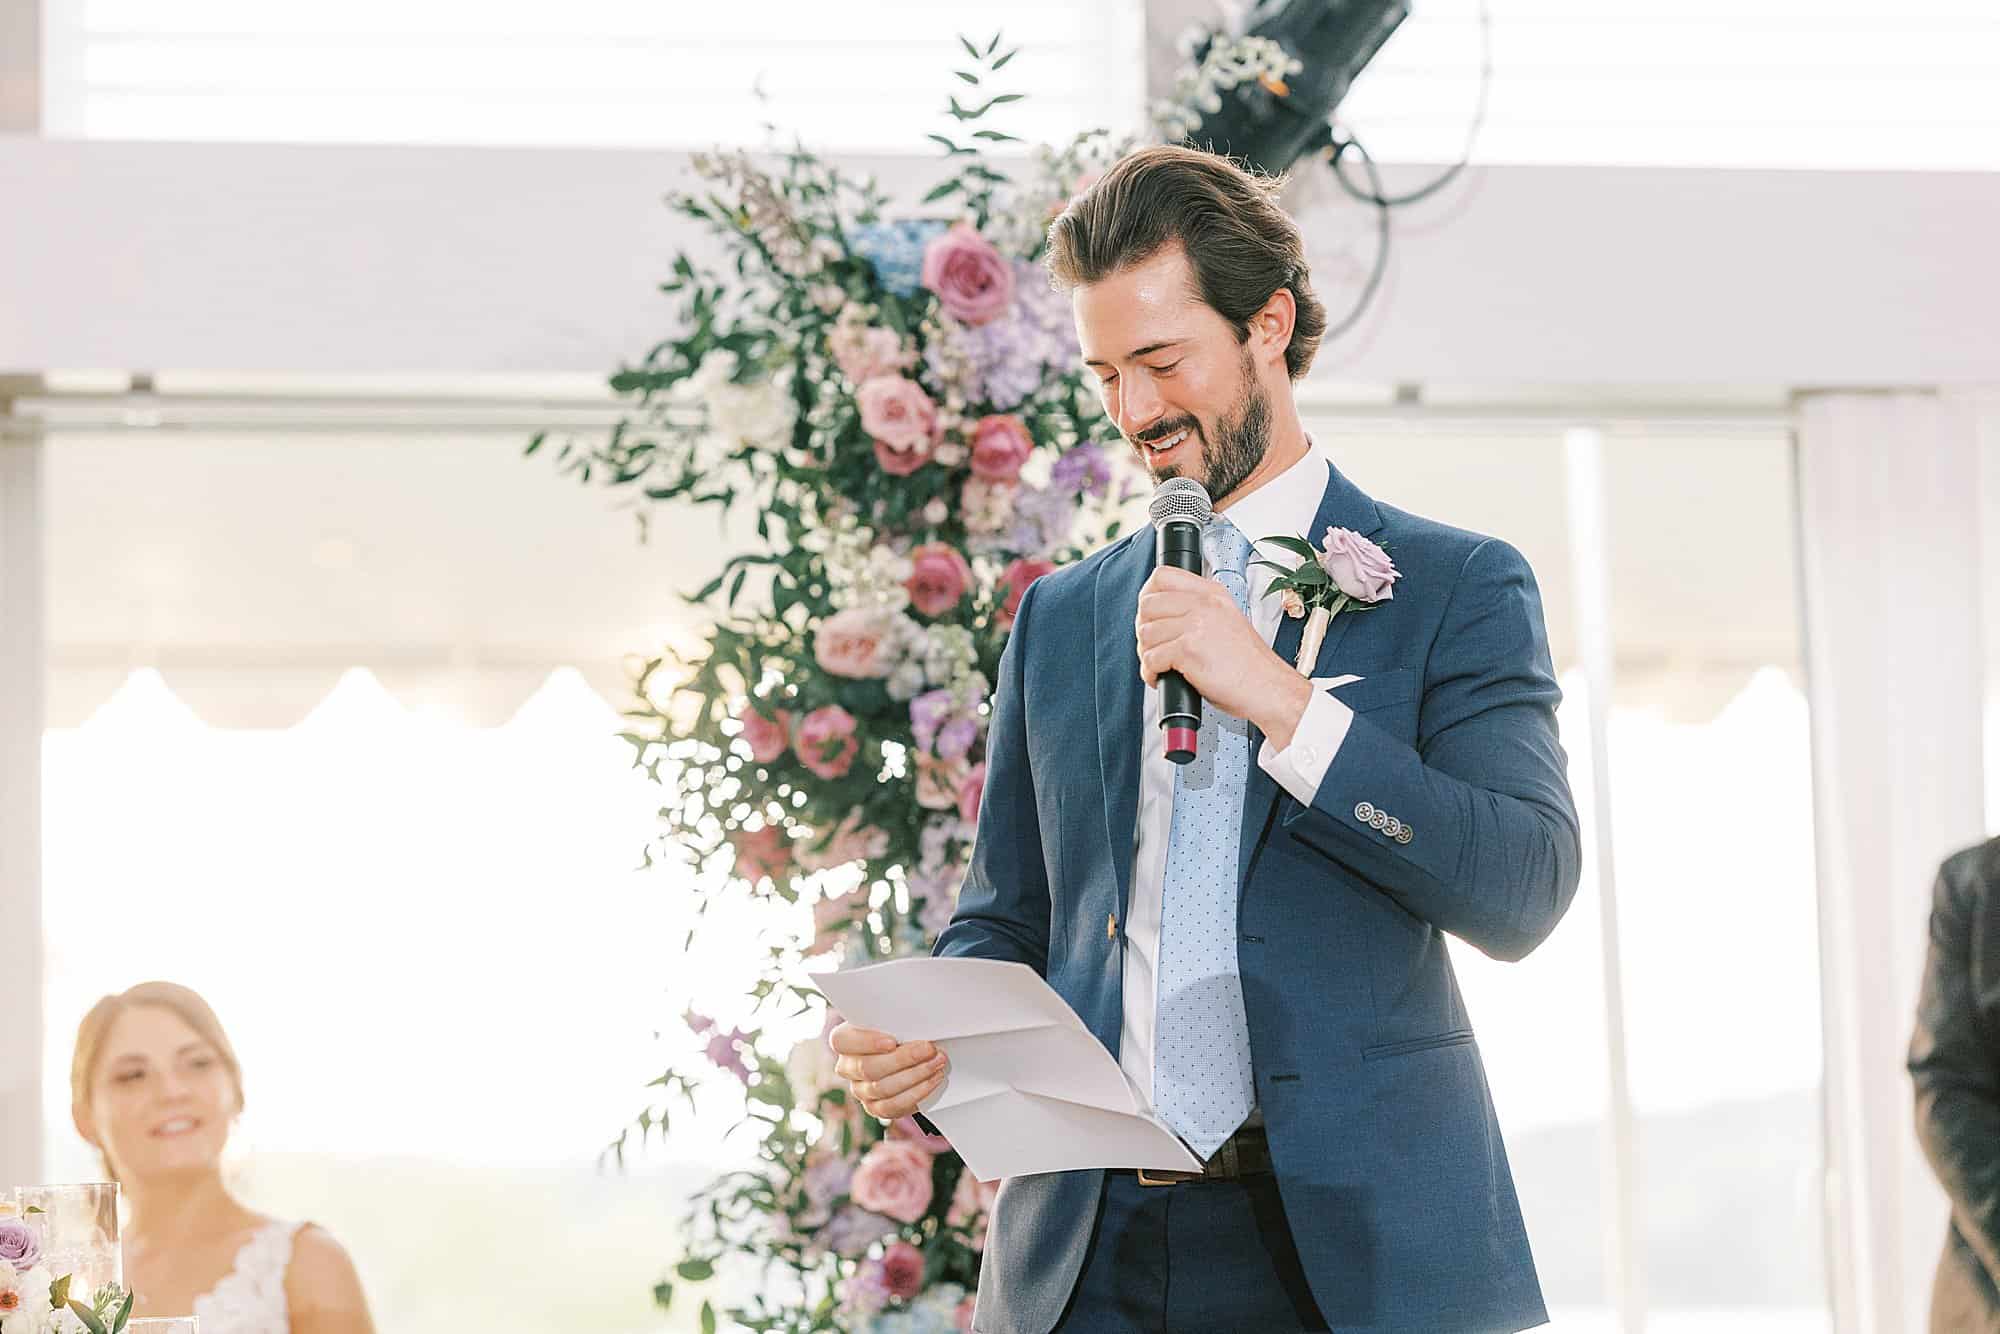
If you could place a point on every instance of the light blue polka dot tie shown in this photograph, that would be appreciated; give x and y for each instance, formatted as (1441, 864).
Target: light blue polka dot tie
(1201, 1060)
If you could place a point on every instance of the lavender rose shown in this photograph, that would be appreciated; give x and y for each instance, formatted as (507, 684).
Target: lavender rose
(20, 1244)
(1357, 566)
(973, 283)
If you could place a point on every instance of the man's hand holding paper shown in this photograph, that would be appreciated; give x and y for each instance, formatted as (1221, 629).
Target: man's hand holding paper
(1025, 1087)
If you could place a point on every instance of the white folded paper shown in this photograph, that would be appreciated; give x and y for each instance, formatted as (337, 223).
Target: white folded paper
(1029, 1089)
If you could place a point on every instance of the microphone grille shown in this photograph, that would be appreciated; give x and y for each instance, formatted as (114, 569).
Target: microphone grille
(1182, 498)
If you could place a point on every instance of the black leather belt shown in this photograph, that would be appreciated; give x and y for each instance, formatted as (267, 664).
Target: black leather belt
(1246, 1153)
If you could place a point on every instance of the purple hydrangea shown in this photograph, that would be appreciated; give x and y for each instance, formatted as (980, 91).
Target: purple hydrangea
(826, 1179)
(1007, 359)
(939, 892)
(853, 1230)
(1044, 518)
(1084, 468)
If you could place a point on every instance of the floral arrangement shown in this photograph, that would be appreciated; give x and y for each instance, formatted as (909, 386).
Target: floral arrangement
(895, 393)
(35, 1301)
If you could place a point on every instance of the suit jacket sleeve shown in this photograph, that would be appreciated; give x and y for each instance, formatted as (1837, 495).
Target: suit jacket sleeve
(1493, 852)
(1955, 1064)
(1003, 908)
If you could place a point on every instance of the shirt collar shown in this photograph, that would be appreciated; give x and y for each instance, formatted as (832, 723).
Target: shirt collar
(1285, 506)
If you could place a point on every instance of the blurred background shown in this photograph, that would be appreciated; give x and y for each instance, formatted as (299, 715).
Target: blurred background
(309, 683)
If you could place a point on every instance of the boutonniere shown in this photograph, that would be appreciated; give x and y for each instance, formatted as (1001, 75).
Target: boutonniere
(1346, 572)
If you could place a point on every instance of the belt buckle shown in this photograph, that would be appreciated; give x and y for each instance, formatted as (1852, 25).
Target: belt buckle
(1166, 1178)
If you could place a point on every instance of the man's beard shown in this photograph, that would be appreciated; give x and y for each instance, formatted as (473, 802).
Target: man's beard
(1242, 435)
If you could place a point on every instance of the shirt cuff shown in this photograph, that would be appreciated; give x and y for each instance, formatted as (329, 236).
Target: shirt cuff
(1300, 767)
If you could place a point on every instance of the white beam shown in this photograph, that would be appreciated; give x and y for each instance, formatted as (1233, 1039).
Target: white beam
(1590, 554)
(245, 257)
(23, 628)
(1889, 535)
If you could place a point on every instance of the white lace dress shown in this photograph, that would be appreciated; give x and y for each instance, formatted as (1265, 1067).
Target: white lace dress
(250, 1299)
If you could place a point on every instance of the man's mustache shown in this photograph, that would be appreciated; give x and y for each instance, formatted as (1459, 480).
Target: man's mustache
(1162, 432)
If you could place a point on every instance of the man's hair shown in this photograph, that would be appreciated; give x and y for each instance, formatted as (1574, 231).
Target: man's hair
(1242, 246)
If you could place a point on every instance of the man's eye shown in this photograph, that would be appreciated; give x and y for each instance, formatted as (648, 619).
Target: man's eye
(1167, 369)
(1107, 381)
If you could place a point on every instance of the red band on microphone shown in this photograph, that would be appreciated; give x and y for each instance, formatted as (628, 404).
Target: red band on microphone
(1181, 738)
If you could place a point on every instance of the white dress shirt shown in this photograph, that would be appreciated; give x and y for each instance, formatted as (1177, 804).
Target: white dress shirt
(1285, 506)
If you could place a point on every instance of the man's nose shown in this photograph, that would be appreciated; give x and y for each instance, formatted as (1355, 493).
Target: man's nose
(1139, 407)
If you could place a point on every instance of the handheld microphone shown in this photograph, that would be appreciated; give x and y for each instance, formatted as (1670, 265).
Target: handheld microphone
(1180, 510)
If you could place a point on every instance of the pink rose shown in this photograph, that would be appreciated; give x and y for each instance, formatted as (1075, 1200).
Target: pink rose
(826, 743)
(1017, 578)
(851, 841)
(863, 352)
(833, 917)
(893, 1179)
(973, 283)
(937, 782)
(903, 1270)
(900, 463)
(1000, 445)
(906, 1129)
(938, 578)
(898, 413)
(762, 852)
(1294, 602)
(854, 643)
(969, 793)
(970, 1205)
(1357, 566)
(767, 737)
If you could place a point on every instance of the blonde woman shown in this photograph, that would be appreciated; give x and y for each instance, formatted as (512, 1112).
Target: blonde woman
(155, 1087)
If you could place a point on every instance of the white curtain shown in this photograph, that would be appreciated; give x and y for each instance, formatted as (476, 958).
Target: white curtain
(1889, 498)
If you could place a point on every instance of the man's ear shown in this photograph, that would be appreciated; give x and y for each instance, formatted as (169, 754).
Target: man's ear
(1271, 327)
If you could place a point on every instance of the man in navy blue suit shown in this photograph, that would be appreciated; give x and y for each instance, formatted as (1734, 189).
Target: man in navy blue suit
(1258, 936)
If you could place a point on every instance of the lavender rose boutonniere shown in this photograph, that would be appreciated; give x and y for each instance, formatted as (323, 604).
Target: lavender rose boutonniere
(1346, 572)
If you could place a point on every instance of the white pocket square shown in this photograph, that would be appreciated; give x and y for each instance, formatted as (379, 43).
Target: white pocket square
(1329, 682)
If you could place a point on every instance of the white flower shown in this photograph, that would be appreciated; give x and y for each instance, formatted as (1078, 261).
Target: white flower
(810, 1068)
(936, 512)
(907, 681)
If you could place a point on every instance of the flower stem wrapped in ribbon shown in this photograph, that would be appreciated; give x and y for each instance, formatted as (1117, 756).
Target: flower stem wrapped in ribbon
(1346, 572)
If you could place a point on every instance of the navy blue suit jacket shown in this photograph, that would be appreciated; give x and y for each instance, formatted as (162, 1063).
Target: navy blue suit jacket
(1388, 1155)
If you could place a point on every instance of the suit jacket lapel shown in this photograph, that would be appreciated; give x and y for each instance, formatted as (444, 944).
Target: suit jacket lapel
(1344, 505)
(1120, 701)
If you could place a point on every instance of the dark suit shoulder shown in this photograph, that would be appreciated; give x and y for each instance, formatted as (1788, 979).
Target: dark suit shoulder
(1438, 550)
(1074, 585)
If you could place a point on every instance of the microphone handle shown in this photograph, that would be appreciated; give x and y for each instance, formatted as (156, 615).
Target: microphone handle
(1177, 542)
